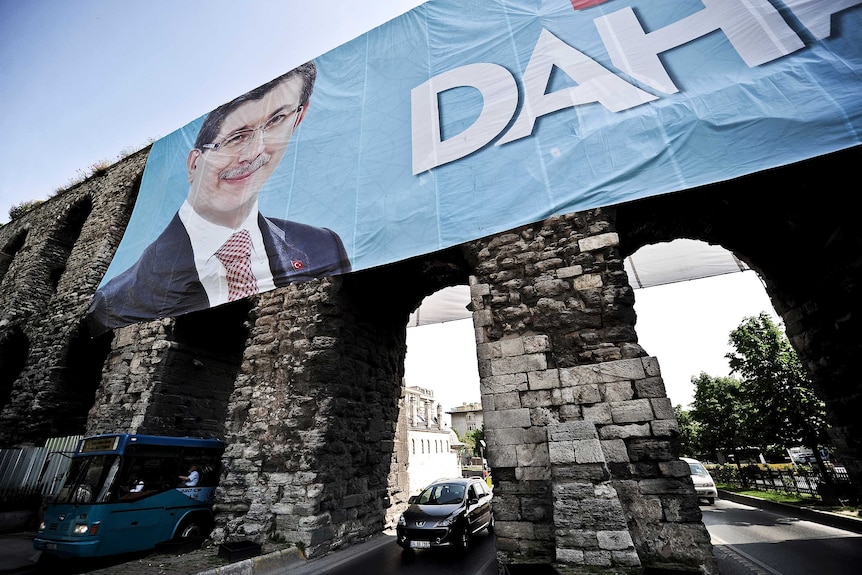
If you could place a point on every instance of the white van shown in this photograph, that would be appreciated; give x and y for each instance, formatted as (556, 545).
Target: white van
(703, 483)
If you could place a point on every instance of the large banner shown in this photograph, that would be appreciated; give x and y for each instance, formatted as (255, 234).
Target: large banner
(464, 118)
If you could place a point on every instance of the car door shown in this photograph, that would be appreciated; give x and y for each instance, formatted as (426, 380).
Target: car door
(478, 507)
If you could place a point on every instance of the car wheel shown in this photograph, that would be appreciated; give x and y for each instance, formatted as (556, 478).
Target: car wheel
(710, 500)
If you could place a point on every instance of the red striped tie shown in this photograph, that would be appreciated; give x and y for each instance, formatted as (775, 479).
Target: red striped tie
(235, 256)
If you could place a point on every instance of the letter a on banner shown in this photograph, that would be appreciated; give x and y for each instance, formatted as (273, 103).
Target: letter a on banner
(500, 98)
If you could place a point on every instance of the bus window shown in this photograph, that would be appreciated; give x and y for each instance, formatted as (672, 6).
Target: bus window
(90, 480)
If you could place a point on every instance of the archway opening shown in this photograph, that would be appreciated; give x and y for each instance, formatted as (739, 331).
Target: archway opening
(14, 349)
(441, 379)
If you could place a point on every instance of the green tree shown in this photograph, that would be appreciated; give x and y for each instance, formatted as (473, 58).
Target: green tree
(688, 432)
(782, 396)
(722, 413)
(474, 437)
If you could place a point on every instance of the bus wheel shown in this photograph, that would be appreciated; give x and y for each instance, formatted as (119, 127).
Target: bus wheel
(193, 527)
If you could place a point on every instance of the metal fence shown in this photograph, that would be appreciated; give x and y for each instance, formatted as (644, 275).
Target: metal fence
(34, 472)
(795, 481)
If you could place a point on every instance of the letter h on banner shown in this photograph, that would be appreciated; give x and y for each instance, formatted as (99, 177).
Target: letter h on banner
(754, 27)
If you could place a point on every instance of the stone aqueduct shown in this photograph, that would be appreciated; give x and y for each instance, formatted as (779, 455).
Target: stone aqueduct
(304, 382)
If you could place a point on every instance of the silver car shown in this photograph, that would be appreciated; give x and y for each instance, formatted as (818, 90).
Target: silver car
(703, 483)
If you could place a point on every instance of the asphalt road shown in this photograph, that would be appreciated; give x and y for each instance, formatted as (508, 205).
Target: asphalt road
(751, 541)
(388, 558)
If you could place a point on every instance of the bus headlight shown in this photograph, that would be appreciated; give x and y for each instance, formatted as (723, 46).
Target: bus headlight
(84, 529)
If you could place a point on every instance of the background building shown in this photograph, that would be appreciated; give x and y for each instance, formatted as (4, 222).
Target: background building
(467, 417)
(432, 449)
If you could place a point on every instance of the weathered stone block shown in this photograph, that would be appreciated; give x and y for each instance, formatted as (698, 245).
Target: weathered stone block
(508, 418)
(512, 347)
(599, 413)
(635, 411)
(520, 364)
(615, 451)
(664, 427)
(502, 456)
(662, 408)
(571, 431)
(569, 272)
(614, 540)
(651, 366)
(535, 455)
(588, 451)
(504, 383)
(599, 241)
(536, 343)
(546, 379)
(624, 431)
(561, 452)
(618, 391)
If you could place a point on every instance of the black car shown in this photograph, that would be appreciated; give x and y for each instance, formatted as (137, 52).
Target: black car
(446, 514)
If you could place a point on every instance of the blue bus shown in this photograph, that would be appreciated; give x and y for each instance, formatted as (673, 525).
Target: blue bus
(124, 493)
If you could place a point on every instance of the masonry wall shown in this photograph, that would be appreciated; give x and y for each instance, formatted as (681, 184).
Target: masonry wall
(305, 384)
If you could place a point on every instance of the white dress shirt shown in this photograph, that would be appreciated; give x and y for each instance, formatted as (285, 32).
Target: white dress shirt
(207, 238)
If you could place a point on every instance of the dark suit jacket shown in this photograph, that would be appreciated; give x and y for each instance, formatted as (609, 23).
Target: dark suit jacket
(164, 281)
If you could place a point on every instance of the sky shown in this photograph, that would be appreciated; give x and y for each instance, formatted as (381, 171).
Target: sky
(82, 81)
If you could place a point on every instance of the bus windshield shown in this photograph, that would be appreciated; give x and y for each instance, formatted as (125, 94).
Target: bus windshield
(90, 480)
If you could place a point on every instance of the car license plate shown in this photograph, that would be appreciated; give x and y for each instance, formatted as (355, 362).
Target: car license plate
(51, 546)
(420, 544)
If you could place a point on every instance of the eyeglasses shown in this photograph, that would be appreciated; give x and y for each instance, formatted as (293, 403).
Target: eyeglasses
(276, 128)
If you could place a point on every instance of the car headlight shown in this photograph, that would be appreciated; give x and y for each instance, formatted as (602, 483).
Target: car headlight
(402, 522)
(42, 525)
(448, 521)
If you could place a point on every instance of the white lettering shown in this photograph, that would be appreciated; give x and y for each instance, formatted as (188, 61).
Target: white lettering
(595, 84)
(500, 99)
(816, 15)
(755, 29)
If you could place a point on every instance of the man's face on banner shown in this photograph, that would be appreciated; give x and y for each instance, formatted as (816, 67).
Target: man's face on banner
(226, 177)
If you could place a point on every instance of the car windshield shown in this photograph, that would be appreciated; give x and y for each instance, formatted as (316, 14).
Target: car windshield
(442, 494)
(697, 469)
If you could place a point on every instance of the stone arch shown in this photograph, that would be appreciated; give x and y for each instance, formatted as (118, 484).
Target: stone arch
(62, 239)
(317, 406)
(79, 377)
(14, 350)
(198, 372)
(792, 227)
(7, 254)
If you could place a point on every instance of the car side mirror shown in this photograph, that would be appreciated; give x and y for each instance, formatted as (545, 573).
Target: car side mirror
(412, 499)
(472, 501)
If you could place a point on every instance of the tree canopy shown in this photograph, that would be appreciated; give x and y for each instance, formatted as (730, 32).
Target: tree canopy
(768, 400)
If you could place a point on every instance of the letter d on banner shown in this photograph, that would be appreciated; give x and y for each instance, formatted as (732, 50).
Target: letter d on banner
(499, 101)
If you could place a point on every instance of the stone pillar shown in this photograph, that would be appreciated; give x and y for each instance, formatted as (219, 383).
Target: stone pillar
(581, 437)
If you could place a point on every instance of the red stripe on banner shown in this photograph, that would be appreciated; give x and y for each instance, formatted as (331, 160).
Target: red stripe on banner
(581, 4)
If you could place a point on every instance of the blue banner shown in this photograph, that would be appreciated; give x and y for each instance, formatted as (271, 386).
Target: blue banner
(464, 118)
